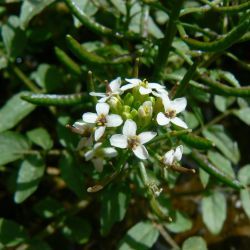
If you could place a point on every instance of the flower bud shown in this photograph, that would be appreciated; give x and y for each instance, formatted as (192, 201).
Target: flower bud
(126, 108)
(145, 112)
(115, 104)
(128, 99)
(126, 115)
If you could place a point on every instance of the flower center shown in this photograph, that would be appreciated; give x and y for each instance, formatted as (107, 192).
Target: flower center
(144, 83)
(170, 113)
(101, 120)
(133, 142)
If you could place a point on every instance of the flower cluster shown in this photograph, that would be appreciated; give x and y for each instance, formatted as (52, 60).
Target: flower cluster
(128, 117)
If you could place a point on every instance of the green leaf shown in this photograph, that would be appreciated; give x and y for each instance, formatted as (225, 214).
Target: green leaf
(114, 206)
(180, 224)
(243, 114)
(204, 177)
(244, 177)
(48, 208)
(30, 8)
(214, 210)
(223, 142)
(12, 147)
(14, 111)
(194, 243)
(222, 102)
(72, 174)
(77, 230)
(29, 176)
(41, 137)
(222, 163)
(11, 234)
(191, 120)
(38, 245)
(141, 236)
(48, 77)
(13, 37)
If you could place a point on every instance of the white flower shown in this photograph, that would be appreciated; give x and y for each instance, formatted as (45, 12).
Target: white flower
(144, 86)
(98, 154)
(129, 139)
(102, 119)
(172, 108)
(86, 131)
(112, 89)
(173, 155)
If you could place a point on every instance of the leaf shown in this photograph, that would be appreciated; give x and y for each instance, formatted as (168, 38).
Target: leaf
(12, 147)
(72, 174)
(41, 137)
(13, 37)
(141, 236)
(214, 209)
(31, 8)
(243, 114)
(222, 163)
(222, 102)
(244, 177)
(180, 224)
(29, 176)
(48, 77)
(77, 230)
(38, 245)
(204, 177)
(14, 111)
(11, 234)
(114, 206)
(194, 243)
(191, 120)
(223, 142)
(48, 208)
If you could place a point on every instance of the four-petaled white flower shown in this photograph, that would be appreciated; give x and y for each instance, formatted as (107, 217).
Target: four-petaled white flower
(102, 119)
(145, 87)
(114, 88)
(86, 131)
(98, 154)
(129, 139)
(173, 155)
(171, 109)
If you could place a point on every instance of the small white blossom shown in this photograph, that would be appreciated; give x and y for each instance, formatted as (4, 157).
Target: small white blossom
(173, 155)
(144, 86)
(102, 119)
(129, 139)
(114, 88)
(86, 131)
(172, 108)
(98, 154)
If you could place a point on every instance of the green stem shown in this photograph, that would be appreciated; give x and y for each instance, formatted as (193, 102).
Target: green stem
(91, 86)
(25, 79)
(167, 41)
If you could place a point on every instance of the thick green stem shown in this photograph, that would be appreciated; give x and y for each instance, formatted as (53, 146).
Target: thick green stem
(167, 41)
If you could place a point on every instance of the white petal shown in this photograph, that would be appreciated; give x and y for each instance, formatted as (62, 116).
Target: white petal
(141, 152)
(79, 127)
(99, 132)
(114, 120)
(104, 99)
(98, 163)
(177, 121)
(178, 153)
(102, 108)
(119, 141)
(145, 137)
(109, 152)
(97, 145)
(134, 81)
(128, 86)
(156, 86)
(97, 94)
(168, 158)
(179, 104)
(162, 119)
(165, 101)
(115, 84)
(89, 155)
(129, 128)
(144, 91)
(89, 117)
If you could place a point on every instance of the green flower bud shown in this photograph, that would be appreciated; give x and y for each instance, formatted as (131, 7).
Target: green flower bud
(115, 104)
(126, 108)
(129, 99)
